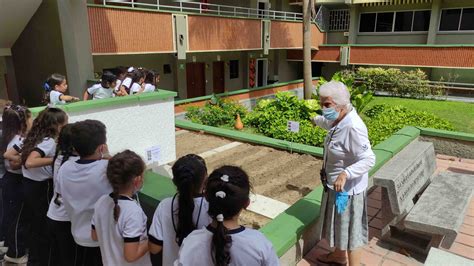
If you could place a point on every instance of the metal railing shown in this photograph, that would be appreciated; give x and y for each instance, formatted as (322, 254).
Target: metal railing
(211, 9)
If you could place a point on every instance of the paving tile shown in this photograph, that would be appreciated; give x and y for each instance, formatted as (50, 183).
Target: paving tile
(374, 203)
(465, 239)
(462, 250)
(401, 258)
(374, 232)
(370, 259)
(469, 220)
(389, 262)
(376, 223)
(378, 247)
(469, 161)
(371, 211)
(303, 262)
(446, 157)
(467, 229)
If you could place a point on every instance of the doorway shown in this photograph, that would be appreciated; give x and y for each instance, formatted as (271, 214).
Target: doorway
(263, 7)
(195, 80)
(218, 77)
(262, 72)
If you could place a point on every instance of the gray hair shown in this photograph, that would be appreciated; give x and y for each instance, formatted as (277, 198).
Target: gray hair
(337, 91)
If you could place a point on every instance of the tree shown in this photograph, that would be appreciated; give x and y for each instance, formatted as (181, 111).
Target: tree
(308, 6)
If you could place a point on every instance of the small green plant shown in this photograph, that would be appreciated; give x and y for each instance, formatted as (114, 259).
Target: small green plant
(361, 95)
(217, 112)
(382, 121)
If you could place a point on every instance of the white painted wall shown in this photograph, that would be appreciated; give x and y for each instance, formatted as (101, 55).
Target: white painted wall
(137, 126)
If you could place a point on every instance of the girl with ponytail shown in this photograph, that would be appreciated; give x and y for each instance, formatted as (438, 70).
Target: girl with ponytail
(55, 88)
(176, 217)
(122, 232)
(225, 241)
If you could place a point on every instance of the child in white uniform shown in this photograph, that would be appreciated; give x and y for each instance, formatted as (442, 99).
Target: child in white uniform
(225, 241)
(104, 89)
(55, 88)
(176, 217)
(58, 219)
(16, 124)
(82, 182)
(119, 223)
(37, 155)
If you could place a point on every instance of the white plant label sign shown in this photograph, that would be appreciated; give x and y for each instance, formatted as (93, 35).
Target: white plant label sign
(294, 126)
(153, 154)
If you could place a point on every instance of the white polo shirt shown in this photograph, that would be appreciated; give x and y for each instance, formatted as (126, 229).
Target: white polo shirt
(135, 88)
(99, 92)
(112, 235)
(54, 98)
(58, 212)
(347, 148)
(162, 230)
(149, 87)
(127, 82)
(249, 247)
(47, 149)
(18, 141)
(82, 183)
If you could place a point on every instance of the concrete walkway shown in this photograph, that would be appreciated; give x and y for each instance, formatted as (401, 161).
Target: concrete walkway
(378, 252)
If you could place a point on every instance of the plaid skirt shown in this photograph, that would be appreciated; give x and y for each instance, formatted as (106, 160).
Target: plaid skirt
(348, 230)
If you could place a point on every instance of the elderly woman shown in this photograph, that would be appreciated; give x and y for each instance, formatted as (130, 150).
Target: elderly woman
(347, 161)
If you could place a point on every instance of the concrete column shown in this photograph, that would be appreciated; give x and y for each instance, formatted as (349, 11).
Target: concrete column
(434, 21)
(354, 24)
(75, 35)
(180, 74)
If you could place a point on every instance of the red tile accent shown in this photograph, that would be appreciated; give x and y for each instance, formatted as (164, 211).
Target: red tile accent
(413, 56)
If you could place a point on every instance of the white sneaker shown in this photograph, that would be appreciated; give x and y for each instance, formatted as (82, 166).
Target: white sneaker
(20, 260)
(2, 243)
(3, 250)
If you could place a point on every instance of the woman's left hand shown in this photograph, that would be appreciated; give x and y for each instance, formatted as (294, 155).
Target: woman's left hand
(340, 182)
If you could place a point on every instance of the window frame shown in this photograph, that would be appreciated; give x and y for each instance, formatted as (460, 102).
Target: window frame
(238, 69)
(393, 32)
(458, 31)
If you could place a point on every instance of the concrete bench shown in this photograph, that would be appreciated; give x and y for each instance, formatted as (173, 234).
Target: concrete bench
(403, 178)
(441, 208)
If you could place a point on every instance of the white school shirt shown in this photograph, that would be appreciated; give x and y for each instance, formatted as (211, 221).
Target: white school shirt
(82, 183)
(54, 98)
(17, 140)
(162, 230)
(112, 235)
(149, 87)
(348, 150)
(127, 82)
(135, 88)
(55, 212)
(249, 248)
(99, 92)
(47, 149)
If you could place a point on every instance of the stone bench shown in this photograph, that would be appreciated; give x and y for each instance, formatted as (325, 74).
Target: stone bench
(440, 210)
(403, 178)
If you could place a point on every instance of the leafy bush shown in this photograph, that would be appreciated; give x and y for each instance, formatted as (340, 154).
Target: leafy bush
(361, 95)
(217, 112)
(383, 120)
(270, 117)
(412, 83)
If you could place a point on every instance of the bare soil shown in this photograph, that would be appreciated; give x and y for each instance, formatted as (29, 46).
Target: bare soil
(191, 142)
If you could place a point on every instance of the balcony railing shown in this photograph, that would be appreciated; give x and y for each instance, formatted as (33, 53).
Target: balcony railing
(209, 9)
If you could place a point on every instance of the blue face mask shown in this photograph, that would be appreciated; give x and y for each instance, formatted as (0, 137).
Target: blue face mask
(330, 114)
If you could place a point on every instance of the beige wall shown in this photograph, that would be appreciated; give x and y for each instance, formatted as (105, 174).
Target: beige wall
(336, 37)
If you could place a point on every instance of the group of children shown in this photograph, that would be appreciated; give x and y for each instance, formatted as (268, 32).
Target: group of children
(121, 81)
(68, 202)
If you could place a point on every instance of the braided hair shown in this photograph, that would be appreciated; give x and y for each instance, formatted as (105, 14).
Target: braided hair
(65, 149)
(121, 171)
(227, 192)
(189, 173)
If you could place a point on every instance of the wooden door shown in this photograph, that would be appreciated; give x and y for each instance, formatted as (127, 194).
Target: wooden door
(218, 78)
(195, 80)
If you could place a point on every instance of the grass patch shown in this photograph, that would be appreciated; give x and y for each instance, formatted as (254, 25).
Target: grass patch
(460, 114)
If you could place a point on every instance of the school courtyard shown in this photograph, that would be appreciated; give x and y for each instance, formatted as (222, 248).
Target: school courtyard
(231, 90)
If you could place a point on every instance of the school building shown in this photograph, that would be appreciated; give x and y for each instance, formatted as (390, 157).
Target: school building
(201, 47)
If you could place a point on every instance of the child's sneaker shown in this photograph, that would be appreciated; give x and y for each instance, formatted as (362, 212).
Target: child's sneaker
(3, 250)
(2, 243)
(20, 260)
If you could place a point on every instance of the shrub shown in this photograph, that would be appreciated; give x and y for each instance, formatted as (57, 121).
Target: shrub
(270, 118)
(412, 83)
(382, 121)
(217, 112)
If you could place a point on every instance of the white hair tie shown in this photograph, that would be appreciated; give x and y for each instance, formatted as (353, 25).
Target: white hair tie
(225, 178)
(220, 218)
(220, 194)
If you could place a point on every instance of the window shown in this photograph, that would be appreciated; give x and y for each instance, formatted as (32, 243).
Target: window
(400, 21)
(421, 20)
(339, 20)
(234, 69)
(403, 21)
(367, 22)
(467, 20)
(167, 69)
(450, 19)
(384, 22)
